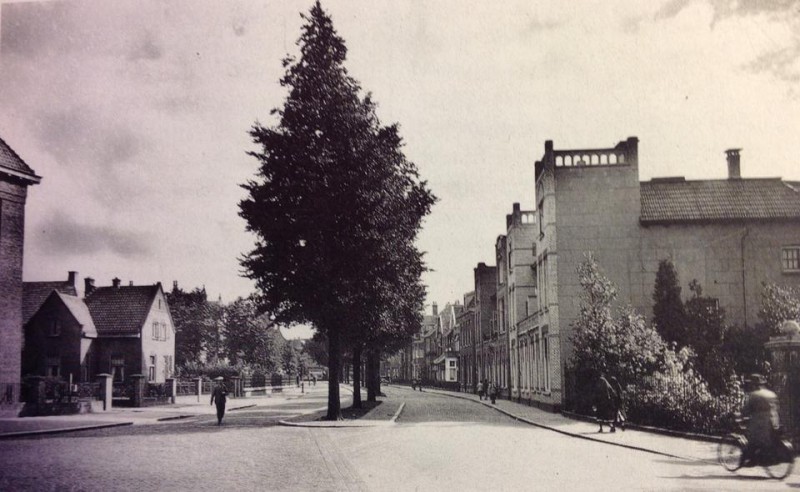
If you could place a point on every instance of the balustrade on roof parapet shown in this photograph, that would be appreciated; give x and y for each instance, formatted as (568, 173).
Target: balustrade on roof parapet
(593, 157)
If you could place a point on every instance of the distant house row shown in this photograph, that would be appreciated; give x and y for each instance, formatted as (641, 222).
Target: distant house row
(119, 330)
(514, 326)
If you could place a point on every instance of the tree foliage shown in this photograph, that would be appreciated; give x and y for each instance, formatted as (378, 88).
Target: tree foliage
(335, 206)
(194, 324)
(778, 304)
(250, 337)
(621, 343)
(669, 316)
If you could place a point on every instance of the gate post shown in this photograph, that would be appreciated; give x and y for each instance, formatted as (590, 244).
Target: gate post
(106, 390)
(199, 388)
(784, 377)
(237, 389)
(172, 389)
(139, 384)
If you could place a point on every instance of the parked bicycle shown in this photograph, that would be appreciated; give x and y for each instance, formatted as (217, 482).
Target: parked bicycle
(734, 452)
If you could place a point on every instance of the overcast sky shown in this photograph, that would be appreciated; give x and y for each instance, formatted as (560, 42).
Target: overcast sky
(135, 113)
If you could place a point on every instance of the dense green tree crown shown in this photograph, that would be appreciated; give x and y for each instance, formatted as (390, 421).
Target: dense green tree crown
(336, 206)
(193, 321)
(669, 316)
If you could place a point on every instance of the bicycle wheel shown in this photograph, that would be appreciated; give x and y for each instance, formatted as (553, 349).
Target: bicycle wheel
(784, 467)
(729, 453)
(780, 470)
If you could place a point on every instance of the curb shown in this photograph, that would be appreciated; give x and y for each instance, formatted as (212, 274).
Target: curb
(13, 435)
(653, 430)
(242, 407)
(176, 417)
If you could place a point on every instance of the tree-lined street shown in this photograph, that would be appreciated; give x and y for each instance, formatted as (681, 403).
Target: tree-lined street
(439, 441)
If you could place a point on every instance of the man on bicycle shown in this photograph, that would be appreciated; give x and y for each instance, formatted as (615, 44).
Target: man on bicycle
(761, 415)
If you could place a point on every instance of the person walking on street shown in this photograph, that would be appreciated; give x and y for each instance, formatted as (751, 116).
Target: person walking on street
(220, 397)
(604, 402)
(493, 392)
(480, 390)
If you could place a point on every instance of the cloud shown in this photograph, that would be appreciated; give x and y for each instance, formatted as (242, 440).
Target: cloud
(62, 235)
(671, 9)
(147, 48)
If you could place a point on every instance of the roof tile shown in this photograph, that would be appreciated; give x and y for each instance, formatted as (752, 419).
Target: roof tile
(718, 200)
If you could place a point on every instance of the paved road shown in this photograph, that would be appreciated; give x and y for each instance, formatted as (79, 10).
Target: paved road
(438, 443)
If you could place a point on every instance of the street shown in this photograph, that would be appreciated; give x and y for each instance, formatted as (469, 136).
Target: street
(438, 442)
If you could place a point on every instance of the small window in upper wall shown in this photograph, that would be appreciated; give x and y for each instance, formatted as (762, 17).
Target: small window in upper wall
(790, 259)
(55, 328)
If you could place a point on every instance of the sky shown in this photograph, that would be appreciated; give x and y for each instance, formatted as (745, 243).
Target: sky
(136, 113)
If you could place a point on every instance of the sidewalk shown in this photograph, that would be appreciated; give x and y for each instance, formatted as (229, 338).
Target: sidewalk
(184, 407)
(686, 447)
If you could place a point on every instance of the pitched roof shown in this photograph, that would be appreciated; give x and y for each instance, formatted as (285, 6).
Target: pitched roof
(669, 200)
(121, 310)
(12, 163)
(80, 311)
(35, 293)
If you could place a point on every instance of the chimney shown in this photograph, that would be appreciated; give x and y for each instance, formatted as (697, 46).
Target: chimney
(88, 286)
(130, 283)
(115, 282)
(435, 309)
(72, 279)
(734, 170)
(174, 286)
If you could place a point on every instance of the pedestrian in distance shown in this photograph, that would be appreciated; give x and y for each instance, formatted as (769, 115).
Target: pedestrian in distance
(480, 390)
(314, 379)
(486, 389)
(220, 397)
(604, 397)
(619, 403)
(493, 392)
(419, 384)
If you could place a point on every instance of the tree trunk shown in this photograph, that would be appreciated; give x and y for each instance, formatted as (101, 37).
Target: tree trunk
(372, 376)
(334, 406)
(357, 376)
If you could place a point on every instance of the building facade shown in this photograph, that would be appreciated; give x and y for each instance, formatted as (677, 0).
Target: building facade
(15, 178)
(730, 235)
(516, 294)
(485, 319)
(119, 330)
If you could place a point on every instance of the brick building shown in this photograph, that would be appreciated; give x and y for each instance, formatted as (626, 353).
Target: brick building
(731, 235)
(516, 300)
(465, 321)
(485, 318)
(15, 177)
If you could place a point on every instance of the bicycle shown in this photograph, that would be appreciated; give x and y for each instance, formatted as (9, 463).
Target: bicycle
(777, 460)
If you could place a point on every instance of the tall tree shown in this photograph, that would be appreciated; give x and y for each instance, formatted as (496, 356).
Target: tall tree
(194, 324)
(250, 336)
(669, 315)
(333, 193)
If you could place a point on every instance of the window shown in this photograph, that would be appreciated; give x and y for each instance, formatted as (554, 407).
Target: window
(118, 368)
(790, 259)
(151, 369)
(55, 328)
(53, 366)
(541, 218)
(452, 363)
(167, 366)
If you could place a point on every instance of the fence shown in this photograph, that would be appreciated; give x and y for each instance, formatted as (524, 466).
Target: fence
(676, 402)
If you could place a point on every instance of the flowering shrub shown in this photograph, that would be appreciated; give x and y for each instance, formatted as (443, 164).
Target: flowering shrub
(663, 387)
